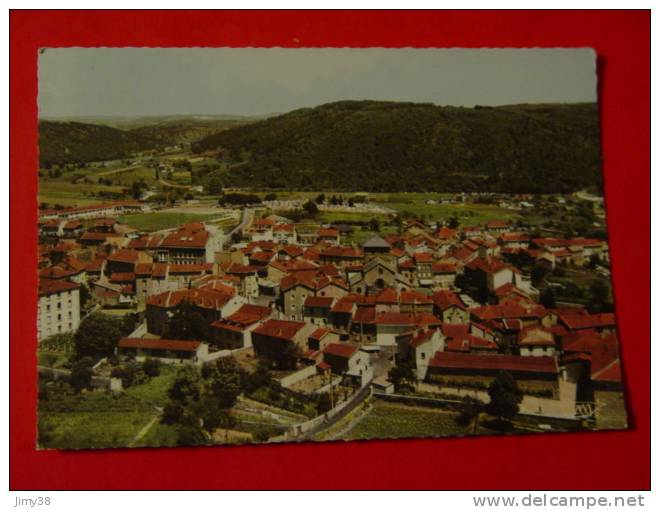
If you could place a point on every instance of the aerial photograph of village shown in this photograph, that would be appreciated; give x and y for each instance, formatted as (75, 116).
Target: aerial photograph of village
(269, 245)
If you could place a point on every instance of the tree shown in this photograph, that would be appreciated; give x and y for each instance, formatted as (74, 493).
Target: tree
(81, 374)
(213, 416)
(186, 387)
(403, 377)
(98, 334)
(136, 190)
(599, 297)
(453, 222)
(224, 381)
(190, 435)
(324, 403)
(374, 225)
(215, 186)
(187, 323)
(547, 298)
(538, 275)
(128, 374)
(151, 367)
(259, 378)
(469, 412)
(505, 396)
(320, 199)
(310, 208)
(286, 358)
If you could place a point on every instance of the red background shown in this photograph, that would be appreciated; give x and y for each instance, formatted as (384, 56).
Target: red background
(605, 460)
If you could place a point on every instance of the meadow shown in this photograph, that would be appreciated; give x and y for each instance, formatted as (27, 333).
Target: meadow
(392, 421)
(101, 420)
(150, 222)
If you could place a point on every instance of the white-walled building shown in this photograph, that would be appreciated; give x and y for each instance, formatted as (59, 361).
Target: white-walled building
(59, 307)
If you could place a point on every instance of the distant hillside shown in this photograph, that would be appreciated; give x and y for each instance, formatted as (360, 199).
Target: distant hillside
(382, 146)
(65, 142)
(70, 141)
(186, 130)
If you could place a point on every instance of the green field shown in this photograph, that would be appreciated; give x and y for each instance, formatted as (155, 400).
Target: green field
(149, 222)
(100, 420)
(70, 195)
(391, 421)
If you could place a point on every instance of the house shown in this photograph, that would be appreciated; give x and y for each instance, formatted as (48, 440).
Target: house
(235, 330)
(514, 240)
(247, 276)
(376, 245)
(279, 340)
(297, 287)
(341, 314)
(420, 346)
(59, 307)
(449, 307)
(391, 324)
(444, 275)
(166, 351)
(498, 226)
(329, 235)
(413, 301)
(599, 322)
(316, 310)
(532, 373)
(423, 269)
(464, 338)
(212, 305)
(341, 256)
(536, 341)
(377, 273)
(348, 360)
(192, 243)
(320, 338)
(285, 233)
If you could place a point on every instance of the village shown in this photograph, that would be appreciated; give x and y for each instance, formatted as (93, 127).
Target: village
(318, 331)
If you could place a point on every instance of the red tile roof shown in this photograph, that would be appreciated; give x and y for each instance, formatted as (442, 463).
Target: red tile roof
(284, 330)
(319, 333)
(588, 321)
(444, 299)
(343, 306)
(319, 301)
(122, 277)
(494, 362)
(328, 232)
(443, 268)
(157, 343)
(414, 297)
(365, 315)
(56, 273)
(192, 236)
(387, 296)
(423, 257)
(47, 287)
(398, 318)
(125, 256)
(421, 338)
(342, 350)
(202, 298)
(510, 310)
(345, 252)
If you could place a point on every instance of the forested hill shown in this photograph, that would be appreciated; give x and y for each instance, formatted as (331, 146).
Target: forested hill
(388, 146)
(65, 142)
(71, 141)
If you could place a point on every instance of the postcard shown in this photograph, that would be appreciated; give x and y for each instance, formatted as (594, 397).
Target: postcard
(266, 245)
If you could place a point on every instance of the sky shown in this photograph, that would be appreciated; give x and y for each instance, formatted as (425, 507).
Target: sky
(259, 81)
